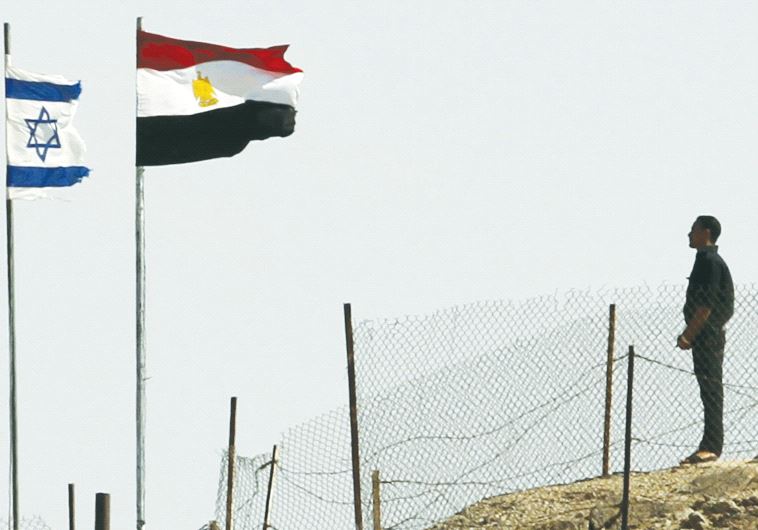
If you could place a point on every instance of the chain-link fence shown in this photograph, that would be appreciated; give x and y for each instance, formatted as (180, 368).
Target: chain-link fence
(493, 397)
(27, 523)
(312, 485)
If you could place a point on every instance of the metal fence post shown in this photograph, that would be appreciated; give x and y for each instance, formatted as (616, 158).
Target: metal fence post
(377, 498)
(102, 511)
(230, 465)
(628, 442)
(353, 417)
(609, 390)
(269, 497)
(71, 507)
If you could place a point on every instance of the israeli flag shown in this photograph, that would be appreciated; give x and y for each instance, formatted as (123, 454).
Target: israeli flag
(44, 150)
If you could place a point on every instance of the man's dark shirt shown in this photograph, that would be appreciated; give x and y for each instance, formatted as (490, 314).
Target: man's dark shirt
(710, 285)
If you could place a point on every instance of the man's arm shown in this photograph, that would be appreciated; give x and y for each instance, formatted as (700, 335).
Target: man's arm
(697, 322)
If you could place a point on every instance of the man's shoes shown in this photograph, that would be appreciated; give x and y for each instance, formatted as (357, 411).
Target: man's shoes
(700, 457)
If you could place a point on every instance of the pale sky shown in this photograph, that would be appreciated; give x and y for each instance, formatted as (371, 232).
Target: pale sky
(445, 152)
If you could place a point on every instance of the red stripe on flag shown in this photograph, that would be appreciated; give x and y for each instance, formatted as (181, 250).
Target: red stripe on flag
(164, 53)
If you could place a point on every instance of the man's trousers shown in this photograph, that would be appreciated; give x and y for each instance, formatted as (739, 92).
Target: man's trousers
(708, 360)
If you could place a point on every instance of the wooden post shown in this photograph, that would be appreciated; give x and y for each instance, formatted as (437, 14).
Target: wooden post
(353, 418)
(377, 498)
(230, 467)
(628, 442)
(269, 496)
(71, 506)
(102, 511)
(213, 525)
(609, 390)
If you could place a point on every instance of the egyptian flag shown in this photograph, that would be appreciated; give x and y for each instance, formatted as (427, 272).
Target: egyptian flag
(197, 101)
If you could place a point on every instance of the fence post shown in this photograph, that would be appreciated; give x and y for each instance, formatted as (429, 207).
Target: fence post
(353, 417)
(230, 464)
(71, 506)
(267, 514)
(213, 525)
(375, 493)
(609, 390)
(628, 442)
(102, 511)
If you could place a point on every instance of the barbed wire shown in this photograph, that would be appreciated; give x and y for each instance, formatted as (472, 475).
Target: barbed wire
(458, 481)
(502, 396)
(501, 481)
(690, 372)
(502, 426)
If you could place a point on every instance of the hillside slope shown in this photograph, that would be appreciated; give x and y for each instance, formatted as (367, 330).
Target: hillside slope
(716, 495)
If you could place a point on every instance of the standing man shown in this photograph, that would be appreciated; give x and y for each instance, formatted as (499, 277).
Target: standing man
(709, 305)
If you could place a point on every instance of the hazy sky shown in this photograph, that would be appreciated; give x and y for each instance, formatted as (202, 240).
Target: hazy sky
(445, 152)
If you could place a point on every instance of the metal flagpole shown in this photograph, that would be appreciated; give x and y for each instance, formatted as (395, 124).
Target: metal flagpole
(139, 232)
(11, 313)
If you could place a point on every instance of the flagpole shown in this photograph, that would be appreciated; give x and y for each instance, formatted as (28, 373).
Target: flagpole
(11, 313)
(140, 240)
(140, 307)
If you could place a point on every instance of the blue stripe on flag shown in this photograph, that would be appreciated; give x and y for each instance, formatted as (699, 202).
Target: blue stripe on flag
(45, 177)
(40, 91)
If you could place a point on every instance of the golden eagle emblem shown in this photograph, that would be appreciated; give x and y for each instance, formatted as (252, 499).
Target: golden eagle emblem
(203, 91)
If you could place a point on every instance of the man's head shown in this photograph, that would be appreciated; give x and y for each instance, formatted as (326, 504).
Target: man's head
(705, 231)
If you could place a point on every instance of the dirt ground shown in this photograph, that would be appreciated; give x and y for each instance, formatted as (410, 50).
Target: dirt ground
(715, 495)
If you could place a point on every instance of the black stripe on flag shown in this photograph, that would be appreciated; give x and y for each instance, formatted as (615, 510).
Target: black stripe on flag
(163, 140)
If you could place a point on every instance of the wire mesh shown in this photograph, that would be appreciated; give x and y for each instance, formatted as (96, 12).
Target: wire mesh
(249, 490)
(313, 480)
(500, 396)
(27, 523)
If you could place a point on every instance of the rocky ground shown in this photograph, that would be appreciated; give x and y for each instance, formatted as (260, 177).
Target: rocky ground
(715, 495)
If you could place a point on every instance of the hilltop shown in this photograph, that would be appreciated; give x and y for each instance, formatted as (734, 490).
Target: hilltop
(716, 495)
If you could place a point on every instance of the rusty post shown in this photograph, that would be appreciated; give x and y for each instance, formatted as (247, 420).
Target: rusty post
(377, 500)
(609, 390)
(102, 511)
(269, 493)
